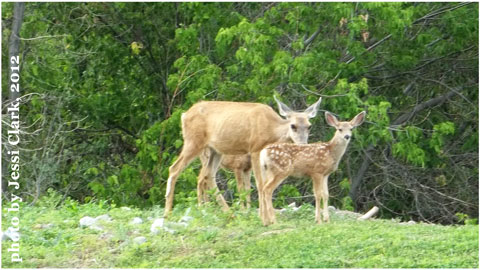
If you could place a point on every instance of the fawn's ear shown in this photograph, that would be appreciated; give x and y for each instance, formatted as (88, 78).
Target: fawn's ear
(312, 110)
(358, 120)
(331, 119)
(283, 109)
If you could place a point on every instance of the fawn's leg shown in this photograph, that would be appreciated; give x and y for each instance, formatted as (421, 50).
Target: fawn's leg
(326, 215)
(240, 186)
(272, 182)
(247, 185)
(317, 190)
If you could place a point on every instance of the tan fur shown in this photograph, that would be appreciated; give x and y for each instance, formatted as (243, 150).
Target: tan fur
(241, 166)
(234, 128)
(317, 161)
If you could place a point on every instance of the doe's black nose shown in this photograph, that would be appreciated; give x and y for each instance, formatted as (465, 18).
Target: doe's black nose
(347, 137)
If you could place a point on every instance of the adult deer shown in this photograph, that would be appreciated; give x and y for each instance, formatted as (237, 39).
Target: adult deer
(316, 160)
(241, 166)
(235, 128)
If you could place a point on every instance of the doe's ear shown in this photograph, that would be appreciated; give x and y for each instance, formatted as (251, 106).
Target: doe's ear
(312, 110)
(331, 119)
(358, 119)
(283, 109)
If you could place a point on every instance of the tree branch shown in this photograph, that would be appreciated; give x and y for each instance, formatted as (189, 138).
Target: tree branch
(358, 179)
(312, 37)
(426, 17)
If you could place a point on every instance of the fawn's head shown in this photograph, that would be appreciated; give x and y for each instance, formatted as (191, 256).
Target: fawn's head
(344, 129)
(299, 125)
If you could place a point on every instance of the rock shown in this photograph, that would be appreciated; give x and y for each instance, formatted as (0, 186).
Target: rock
(136, 220)
(186, 218)
(276, 232)
(93, 223)
(87, 221)
(139, 240)
(411, 222)
(96, 227)
(292, 206)
(159, 223)
(43, 226)
(125, 208)
(156, 225)
(104, 218)
(331, 208)
(106, 236)
(10, 234)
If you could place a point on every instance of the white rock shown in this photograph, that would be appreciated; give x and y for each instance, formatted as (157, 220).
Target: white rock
(92, 223)
(139, 240)
(411, 222)
(96, 227)
(136, 220)
(331, 208)
(104, 218)
(125, 208)
(159, 223)
(186, 218)
(87, 221)
(47, 226)
(106, 236)
(10, 234)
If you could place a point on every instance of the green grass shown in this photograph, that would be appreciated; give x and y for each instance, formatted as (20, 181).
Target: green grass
(234, 240)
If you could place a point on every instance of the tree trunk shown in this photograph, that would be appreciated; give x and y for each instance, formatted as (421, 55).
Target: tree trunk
(14, 41)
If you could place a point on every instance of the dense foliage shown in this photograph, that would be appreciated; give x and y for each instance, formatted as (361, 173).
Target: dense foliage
(104, 86)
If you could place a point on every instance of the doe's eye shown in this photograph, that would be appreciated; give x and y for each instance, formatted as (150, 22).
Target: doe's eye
(340, 130)
(293, 127)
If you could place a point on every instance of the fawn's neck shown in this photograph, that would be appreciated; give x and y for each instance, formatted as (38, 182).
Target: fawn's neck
(338, 146)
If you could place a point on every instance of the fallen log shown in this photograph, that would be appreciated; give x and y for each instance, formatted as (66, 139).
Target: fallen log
(369, 214)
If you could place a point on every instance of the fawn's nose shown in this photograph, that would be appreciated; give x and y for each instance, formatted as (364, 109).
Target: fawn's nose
(347, 137)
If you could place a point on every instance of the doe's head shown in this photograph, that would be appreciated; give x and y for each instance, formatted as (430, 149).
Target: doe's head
(299, 125)
(344, 129)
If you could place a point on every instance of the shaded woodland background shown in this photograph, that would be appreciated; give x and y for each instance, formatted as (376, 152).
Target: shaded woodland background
(104, 85)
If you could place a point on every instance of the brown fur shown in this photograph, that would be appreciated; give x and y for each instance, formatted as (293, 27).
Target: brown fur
(317, 161)
(241, 165)
(233, 128)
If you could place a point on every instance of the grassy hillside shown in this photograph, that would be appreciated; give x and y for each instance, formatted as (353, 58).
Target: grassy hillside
(210, 238)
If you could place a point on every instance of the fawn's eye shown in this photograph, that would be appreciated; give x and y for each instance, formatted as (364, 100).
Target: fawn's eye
(340, 130)
(294, 127)
(309, 127)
